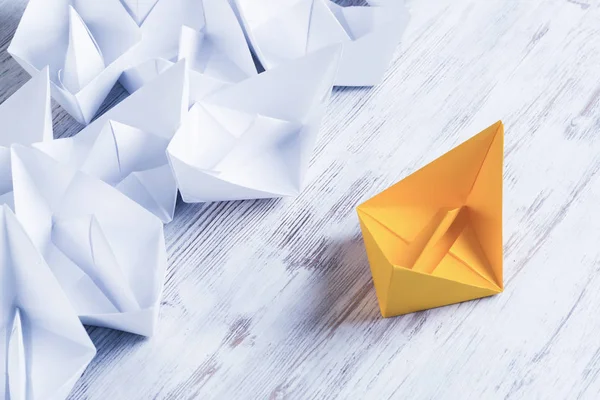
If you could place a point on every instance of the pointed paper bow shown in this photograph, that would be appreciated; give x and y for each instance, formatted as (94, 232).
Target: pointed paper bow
(435, 238)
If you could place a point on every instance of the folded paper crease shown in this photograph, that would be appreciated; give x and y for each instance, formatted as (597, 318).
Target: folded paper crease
(126, 146)
(204, 32)
(442, 226)
(26, 118)
(282, 30)
(106, 251)
(85, 44)
(46, 347)
(254, 138)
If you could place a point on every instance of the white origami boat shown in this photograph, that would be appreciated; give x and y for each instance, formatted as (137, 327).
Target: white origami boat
(282, 30)
(83, 42)
(254, 139)
(107, 252)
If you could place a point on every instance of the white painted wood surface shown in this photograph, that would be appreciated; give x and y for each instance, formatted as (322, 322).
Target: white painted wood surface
(274, 299)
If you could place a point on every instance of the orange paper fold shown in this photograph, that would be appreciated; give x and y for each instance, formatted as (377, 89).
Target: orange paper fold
(435, 238)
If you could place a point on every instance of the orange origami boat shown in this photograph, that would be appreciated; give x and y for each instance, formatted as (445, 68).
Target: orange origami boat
(435, 238)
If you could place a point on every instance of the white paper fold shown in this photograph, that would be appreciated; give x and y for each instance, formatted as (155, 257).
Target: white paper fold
(135, 77)
(16, 363)
(83, 42)
(139, 9)
(126, 147)
(106, 251)
(254, 139)
(84, 60)
(205, 32)
(281, 30)
(45, 347)
(25, 118)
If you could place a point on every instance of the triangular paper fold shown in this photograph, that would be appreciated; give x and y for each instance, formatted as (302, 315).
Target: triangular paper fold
(26, 118)
(139, 9)
(84, 60)
(46, 347)
(435, 238)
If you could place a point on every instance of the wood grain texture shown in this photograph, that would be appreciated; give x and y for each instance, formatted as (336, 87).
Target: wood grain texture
(274, 300)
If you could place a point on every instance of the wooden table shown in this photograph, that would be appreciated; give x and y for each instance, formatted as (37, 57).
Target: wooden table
(274, 299)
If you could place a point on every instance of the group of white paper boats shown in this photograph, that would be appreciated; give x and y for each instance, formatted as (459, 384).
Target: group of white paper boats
(87, 239)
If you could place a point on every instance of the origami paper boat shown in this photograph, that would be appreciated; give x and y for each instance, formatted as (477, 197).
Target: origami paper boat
(254, 139)
(25, 118)
(205, 32)
(45, 347)
(126, 147)
(106, 251)
(281, 30)
(83, 42)
(435, 238)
